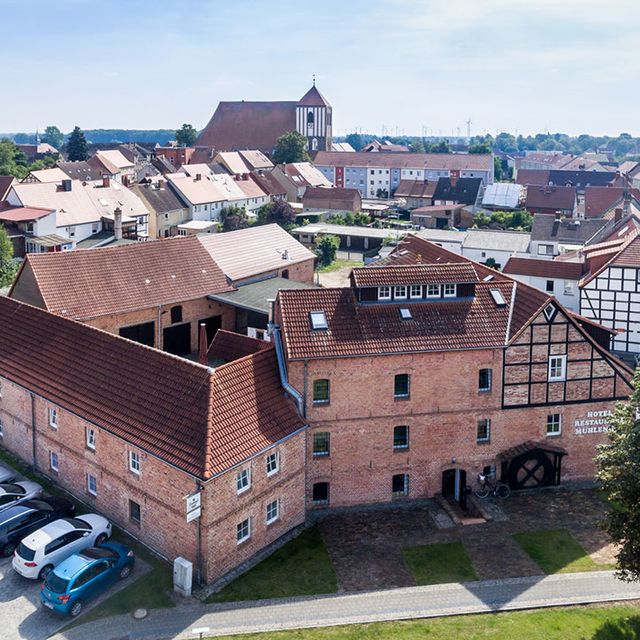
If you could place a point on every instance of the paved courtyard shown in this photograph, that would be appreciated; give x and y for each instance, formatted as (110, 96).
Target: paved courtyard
(366, 547)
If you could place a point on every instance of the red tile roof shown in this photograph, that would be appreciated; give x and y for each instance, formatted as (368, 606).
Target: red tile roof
(550, 197)
(456, 161)
(413, 274)
(229, 346)
(629, 256)
(5, 185)
(415, 189)
(599, 200)
(332, 198)
(544, 268)
(23, 214)
(200, 420)
(532, 176)
(313, 98)
(248, 125)
(97, 282)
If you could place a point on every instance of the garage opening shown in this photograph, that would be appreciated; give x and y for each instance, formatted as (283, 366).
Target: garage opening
(213, 323)
(177, 339)
(143, 333)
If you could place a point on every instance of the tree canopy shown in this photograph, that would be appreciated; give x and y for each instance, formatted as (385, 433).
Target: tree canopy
(53, 136)
(186, 135)
(279, 212)
(327, 249)
(8, 266)
(77, 148)
(291, 147)
(13, 162)
(619, 473)
(234, 218)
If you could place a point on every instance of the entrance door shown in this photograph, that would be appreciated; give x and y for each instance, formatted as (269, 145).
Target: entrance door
(177, 339)
(454, 486)
(144, 333)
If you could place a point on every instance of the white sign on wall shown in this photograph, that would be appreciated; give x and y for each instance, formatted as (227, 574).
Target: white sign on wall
(193, 506)
(595, 422)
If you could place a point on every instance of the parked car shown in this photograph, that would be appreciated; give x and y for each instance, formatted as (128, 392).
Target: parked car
(7, 474)
(20, 520)
(17, 492)
(38, 553)
(85, 575)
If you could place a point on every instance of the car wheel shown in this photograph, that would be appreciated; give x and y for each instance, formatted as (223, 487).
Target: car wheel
(8, 549)
(101, 538)
(125, 572)
(45, 571)
(76, 608)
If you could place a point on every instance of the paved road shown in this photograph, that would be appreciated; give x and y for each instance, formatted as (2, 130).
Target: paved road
(395, 604)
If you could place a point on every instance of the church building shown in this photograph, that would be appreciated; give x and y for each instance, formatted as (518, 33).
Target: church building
(258, 125)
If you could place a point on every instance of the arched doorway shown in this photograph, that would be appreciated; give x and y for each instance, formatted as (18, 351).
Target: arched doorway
(454, 486)
(531, 465)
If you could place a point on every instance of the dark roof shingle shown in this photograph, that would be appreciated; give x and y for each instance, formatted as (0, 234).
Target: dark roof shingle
(384, 276)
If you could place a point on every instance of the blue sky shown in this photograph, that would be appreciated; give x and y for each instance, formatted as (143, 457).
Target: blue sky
(561, 65)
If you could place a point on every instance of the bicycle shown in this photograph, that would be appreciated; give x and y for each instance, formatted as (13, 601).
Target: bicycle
(487, 487)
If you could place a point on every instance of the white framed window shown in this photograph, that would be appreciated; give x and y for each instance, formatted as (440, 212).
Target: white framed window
(384, 293)
(554, 424)
(53, 461)
(134, 462)
(273, 463)
(243, 480)
(53, 417)
(273, 511)
(91, 438)
(243, 530)
(557, 368)
(450, 290)
(400, 292)
(433, 291)
(415, 291)
(92, 484)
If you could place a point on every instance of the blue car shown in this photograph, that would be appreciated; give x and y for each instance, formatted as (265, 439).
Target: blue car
(84, 576)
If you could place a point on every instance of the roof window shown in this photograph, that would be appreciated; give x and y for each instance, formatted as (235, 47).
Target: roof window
(498, 298)
(488, 278)
(318, 320)
(405, 313)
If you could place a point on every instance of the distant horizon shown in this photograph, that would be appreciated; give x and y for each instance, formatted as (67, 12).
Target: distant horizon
(404, 66)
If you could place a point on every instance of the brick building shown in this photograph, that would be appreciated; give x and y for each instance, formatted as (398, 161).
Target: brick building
(430, 369)
(132, 430)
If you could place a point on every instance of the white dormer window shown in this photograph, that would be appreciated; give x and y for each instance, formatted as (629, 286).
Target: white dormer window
(318, 320)
(53, 417)
(400, 292)
(415, 291)
(433, 291)
(384, 293)
(450, 290)
(557, 368)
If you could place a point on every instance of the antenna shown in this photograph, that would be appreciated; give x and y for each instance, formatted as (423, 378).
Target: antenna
(314, 79)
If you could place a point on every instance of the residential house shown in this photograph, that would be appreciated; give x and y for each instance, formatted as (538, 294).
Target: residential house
(32, 229)
(295, 177)
(443, 216)
(269, 185)
(551, 236)
(113, 163)
(384, 147)
(418, 193)
(558, 201)
(80, 170)
(335, 200)
(177, 156)
(167, 209)
(497, 245)
(47, 175)
(503, 196)
(466, 191)
(357, 239)
(578, 179)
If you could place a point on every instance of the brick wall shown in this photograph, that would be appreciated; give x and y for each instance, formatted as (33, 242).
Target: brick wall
(299, 272)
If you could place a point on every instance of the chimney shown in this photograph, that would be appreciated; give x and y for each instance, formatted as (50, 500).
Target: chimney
(106, 182)
(117, 223)
(272, 308)
(453, 180)
(198, 176)
(160, 184)
(617, 214)
(66, 185)
(203, 347)
(125, 181)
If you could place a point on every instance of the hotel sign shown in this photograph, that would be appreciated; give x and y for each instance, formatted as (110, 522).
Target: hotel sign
(595, 422)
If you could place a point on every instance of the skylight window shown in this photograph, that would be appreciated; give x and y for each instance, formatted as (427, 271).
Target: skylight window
(318, 320)
(405, 313)
(488, 278)
(498, 298)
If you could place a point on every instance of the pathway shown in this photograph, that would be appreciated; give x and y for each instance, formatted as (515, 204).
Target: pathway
(373, 606)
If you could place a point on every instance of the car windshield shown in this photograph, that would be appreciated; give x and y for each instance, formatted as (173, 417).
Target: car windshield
(12, 488)
(39, 504)
(76, 523)
(56, 584)
(25, 552)
(94, 553)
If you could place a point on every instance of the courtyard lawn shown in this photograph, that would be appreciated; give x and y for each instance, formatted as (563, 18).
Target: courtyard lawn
(618, 622)
(301, 567)
(438, 563)
(340, 264)
(556, 551)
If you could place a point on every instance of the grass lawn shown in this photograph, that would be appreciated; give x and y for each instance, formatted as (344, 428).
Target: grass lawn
(340, 264)
(556, 551)
(301, 567)
(618, 622)
(149, 591)
(437, 563)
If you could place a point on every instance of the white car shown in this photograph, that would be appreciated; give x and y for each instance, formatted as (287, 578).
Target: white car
(6, 474)
(42, 550)
(17, 492)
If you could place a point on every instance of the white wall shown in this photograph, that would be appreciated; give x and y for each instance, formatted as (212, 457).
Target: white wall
(565, 291)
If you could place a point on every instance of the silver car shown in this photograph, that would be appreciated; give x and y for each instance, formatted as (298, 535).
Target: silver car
(7, 474)
(17, 492)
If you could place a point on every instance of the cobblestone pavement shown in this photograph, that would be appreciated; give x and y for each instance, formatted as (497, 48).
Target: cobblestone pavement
(375, 606)
(366, 547)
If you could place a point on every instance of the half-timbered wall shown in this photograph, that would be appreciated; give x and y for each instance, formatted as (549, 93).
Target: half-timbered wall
(613, 299)
(591, 374)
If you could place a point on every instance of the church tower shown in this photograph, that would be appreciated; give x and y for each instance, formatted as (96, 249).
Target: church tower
(313, 120)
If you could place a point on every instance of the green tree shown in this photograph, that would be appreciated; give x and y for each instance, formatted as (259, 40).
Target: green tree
(8, 266)
(417, 146)
(498, 171)
(506, 142)
(291, 147)
(439, 147)
(355, 140)
(234, 218)
(480, 148)
(53, 136)
(186, 135)
(77, 148)
(327, 249)
(279, 212)
(13, 162)
(618, 464)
